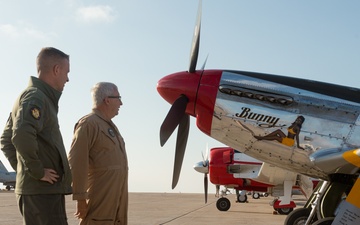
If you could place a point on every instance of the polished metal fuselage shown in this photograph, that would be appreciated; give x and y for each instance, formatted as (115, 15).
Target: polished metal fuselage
(250, 106)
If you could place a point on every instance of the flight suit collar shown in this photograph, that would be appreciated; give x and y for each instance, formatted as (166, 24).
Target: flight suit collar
(53, 94)
(99, 114)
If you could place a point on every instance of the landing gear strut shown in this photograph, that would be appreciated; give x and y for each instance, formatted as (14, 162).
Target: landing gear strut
(223, 204)
(320, 207)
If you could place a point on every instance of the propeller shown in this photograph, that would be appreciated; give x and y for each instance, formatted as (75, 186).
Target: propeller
(206, 182)
(203, 167)
(177, 116)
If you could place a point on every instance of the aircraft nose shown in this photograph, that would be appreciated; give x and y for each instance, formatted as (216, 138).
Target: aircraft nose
(181, 83)
(199, 167)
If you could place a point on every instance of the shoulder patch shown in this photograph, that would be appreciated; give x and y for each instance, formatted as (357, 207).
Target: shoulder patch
(35, 112)
(111, 132)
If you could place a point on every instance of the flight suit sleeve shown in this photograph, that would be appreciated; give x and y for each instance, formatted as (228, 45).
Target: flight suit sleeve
(79, 159)
(6, 144)
(27, 122)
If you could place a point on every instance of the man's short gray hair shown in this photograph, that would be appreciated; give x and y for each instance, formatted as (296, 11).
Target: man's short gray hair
(102, 90)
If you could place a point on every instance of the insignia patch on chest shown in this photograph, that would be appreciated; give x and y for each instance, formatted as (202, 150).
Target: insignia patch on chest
(35, 112)
(111, 132)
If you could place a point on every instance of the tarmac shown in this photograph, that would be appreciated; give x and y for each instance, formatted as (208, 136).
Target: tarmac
(171, 209)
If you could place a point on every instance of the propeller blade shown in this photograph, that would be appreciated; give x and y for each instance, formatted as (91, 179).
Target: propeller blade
(206, 187)
(204, 161)
(195, 42)
(207, 155)
(203, 66)
(182, 136)
(173, 118)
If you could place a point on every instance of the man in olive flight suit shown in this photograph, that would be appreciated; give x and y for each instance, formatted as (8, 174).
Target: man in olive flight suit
(33, 144)
(98, 162)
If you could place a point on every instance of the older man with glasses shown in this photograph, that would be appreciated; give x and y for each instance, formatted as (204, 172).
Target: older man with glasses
(98, 161)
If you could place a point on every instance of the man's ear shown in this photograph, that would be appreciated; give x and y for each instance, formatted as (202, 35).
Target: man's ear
(106, 101)
(56, 69)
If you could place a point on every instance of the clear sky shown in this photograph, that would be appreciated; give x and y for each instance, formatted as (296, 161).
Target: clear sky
(135, 43)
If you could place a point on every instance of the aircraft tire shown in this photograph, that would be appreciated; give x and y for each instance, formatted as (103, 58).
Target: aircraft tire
(223, 204)
(256, 195)
(284, 211)
(298, 216)
(324, 221)
(242, 198)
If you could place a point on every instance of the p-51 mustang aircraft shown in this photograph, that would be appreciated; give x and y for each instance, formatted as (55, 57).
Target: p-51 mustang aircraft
(233, 169)
(7, 178)
(305, 126)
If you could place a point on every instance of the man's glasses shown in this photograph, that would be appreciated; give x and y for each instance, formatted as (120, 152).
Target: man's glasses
(118, 97)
